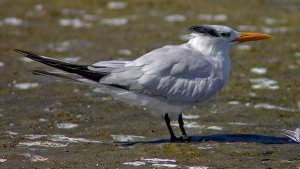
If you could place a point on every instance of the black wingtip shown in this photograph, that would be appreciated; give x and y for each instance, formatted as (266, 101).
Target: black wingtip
(28, 54)
(23, 52)
(81, 70)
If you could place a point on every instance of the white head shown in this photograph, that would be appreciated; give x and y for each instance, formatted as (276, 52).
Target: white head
(218, 38)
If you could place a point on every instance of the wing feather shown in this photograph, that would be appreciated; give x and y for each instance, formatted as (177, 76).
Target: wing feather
(173, 72)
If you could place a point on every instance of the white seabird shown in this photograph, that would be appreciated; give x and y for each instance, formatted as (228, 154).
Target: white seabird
(166, 79)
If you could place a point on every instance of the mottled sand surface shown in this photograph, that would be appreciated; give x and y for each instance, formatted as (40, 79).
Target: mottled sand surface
(45, 123)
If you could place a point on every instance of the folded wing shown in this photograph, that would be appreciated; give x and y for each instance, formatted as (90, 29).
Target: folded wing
(177, 73)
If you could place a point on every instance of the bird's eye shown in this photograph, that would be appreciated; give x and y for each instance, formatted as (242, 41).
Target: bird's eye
(225, 34)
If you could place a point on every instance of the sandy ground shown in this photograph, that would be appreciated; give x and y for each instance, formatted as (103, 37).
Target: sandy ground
(49, 124)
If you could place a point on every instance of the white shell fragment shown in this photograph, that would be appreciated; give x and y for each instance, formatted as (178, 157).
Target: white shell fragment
(264, 83)
(124, 138)
(13, 21)
(42, 144)
(115, 21)
(26, 86)
(75, 23)
(294, 135)
(175, 18)
(66, 125)
(259, 70)
(2, 160)
(116, 5)
(135, 163)
(211, 17)
(38, 158)
(269, 106)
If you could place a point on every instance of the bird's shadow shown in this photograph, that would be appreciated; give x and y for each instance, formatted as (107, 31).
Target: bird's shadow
(228, 138)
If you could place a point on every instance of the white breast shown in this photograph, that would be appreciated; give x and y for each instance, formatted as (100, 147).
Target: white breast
(218, 56)
(198, 90)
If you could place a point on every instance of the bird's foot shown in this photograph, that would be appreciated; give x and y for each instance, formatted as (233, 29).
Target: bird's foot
(183, 138)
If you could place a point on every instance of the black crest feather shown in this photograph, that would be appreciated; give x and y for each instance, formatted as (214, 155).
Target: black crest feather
(205, 30)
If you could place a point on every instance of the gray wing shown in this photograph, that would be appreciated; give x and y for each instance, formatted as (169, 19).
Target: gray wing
(177, 73)
(108, 66)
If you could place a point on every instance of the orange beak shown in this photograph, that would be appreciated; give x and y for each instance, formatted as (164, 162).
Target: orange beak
(251, 36)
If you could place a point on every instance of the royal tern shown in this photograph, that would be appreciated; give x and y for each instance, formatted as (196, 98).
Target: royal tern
(167, 78)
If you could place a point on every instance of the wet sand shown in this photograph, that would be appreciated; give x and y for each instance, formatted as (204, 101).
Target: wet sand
(45, 123)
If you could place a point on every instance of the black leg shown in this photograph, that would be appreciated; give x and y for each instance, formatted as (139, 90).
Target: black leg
(167, 120)
(184, 136)
(181, 124)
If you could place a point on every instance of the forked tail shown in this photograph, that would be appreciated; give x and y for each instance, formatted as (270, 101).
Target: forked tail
(81, 70)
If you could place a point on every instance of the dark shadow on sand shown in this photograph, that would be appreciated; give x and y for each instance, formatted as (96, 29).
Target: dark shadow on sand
(228, 138)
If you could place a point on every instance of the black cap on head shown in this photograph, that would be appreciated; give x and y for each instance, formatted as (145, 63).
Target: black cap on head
(205, 30)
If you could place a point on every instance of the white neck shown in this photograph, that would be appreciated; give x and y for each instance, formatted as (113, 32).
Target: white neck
(209, 47)
(215, 49)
